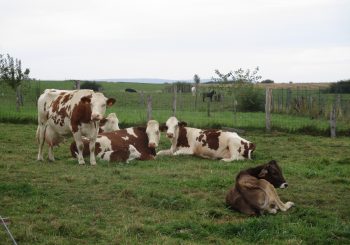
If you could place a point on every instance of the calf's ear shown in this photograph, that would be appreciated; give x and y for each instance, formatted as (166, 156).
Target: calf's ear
(163, 127)
(85, 100)
(273, 162)
(263, 173)
(110, 101)
(182, 124)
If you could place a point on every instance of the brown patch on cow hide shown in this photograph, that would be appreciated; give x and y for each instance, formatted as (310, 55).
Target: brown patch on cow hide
(66, 98)
(121, 139)
(211, 139)
(182, 140)
(81, 114)
(86, 149)
(120, 155)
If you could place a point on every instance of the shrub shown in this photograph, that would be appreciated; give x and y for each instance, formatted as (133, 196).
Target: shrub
(91, 85)
(341, 87)
(268, 81)
(251, 99)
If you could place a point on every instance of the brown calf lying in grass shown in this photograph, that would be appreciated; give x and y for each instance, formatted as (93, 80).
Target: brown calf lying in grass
(254, 191)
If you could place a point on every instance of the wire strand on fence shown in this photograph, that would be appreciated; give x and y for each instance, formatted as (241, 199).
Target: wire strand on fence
(8, 231)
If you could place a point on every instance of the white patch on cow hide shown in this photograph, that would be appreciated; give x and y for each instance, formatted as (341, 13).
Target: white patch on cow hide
(105, 144)
(133, 153)
(125, 138)
(131, 132)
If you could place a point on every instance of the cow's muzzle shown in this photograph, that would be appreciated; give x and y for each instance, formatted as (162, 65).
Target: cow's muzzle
(96, 117)
(152, 145)
(284, 185)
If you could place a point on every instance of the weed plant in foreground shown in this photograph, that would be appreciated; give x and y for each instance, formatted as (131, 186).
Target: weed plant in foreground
(172, 200)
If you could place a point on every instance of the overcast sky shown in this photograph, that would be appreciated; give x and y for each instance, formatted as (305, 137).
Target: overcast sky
(290, 40)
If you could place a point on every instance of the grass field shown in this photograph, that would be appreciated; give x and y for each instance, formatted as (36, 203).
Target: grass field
(172, 200)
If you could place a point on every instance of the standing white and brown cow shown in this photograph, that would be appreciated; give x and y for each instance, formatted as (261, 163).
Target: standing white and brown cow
(125, 145)
(206, 143)
(67, 112)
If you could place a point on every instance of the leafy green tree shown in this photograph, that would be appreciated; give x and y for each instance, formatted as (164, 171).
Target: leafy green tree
(12, 74)
(238, 76)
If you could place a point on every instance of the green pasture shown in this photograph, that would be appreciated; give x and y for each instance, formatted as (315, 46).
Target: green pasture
(171, 200)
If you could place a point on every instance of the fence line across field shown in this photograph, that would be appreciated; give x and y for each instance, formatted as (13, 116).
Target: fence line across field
(239, 107)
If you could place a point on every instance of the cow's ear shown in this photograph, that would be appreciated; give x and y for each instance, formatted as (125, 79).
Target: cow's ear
(163, 127)
(110, 101)
(272, 162)
(182, 124)
(85, 100)
(263, 173)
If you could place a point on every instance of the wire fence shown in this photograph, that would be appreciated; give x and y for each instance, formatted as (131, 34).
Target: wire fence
(292, 109)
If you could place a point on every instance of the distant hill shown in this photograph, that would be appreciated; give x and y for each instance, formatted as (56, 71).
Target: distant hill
(147, 80)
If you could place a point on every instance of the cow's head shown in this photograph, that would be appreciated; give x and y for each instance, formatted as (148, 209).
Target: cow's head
(153, 134)
(98, 103)
(172, 127)
(109, 123)
(272, 172)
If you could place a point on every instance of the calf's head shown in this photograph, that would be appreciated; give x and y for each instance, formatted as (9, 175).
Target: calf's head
(153, 134)
(172, 127)
(109, 123)
(272, 173)
(98, 103)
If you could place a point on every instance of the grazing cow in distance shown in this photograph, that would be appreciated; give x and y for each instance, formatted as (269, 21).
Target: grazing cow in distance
(130, 90)
(125, 144)
(193, 91)
(254, 192)
(206, 143)
(67, 112)
(208, 94)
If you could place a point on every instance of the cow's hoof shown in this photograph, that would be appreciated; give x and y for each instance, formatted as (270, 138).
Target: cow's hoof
(51, 159)
(290, 204)
(40, 159)
(82, 163)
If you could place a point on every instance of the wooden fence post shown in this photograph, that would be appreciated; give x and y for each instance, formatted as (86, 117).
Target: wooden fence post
(149, 107)
(208, 108)
(77, 84)
(333, 116)
(174, 100)
(332, 120)
(268, 109)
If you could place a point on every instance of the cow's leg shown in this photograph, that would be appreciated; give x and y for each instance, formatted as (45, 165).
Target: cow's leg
(51, 155)
(80, 146)
(184, 151)
(280, 205)
(92, 143)
(40, 134)
(165, 152)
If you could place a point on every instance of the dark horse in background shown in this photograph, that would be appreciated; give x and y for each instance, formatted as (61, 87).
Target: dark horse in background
(208, 94)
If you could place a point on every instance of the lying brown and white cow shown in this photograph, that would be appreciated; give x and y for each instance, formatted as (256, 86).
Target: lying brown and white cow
(206, 143)
(254, 192)
(125, 144)
(66, 112)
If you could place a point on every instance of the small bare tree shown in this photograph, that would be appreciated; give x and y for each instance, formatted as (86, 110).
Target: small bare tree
(11, 73)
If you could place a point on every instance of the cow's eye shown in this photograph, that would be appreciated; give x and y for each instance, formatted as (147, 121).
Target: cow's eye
(157, 133)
